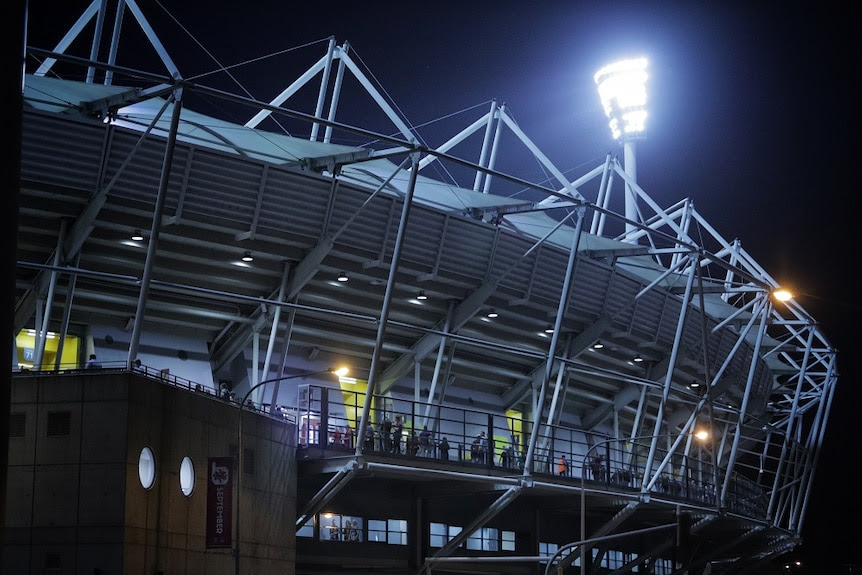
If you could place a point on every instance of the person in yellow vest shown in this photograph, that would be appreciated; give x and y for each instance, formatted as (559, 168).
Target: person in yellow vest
(563, 466)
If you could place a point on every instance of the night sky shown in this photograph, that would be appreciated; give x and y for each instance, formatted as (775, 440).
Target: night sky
(750, 116)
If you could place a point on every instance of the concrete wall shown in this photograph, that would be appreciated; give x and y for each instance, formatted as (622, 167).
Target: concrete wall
(75, 503)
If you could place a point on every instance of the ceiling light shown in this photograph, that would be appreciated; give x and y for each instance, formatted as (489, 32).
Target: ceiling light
(701, 434)
(342, 277)
(138, 236)
(422, 296)
(549, 329)
(694, 383)
(492, 314)
(598, 345)
(246, 257)
(638, 359)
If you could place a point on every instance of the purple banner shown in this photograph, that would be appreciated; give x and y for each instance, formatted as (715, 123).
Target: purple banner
(219, 502)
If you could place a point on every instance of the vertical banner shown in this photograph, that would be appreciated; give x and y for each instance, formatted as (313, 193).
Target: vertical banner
(220, 502)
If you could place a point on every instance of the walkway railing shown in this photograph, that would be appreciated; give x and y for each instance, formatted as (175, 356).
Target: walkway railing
(326, 426)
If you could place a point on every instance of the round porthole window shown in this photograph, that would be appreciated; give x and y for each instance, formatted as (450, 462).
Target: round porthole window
(147, 468)
(187, 476)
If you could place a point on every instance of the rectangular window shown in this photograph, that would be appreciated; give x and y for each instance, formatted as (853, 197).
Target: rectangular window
(59, 423)
(507, 540)
(614, 559)
(438, 535)
(663, 567)
(377, 530)
(397, 531)
(330, 527)
(391, 531)
(352, 528)
(484, 539)
(454, 531)
(17, 424)
(307, 530)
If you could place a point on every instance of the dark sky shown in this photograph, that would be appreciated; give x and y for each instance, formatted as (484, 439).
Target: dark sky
(751, 114)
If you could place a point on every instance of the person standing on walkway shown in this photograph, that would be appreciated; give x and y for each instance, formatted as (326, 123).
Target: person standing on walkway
(425, 442)
(444, 449)
(397, 433)
(563, 466)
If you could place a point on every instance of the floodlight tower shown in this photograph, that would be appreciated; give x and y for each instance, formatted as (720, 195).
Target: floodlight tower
(622, 89)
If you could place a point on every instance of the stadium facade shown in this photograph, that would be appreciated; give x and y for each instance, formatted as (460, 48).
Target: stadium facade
(569, 353)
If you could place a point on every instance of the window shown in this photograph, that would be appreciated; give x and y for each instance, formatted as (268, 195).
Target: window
(307, 530)
(397, 531)
(484, 539)
(330, 527)
(59, 423)
(392, 531)
(438, 535)
(17, 424)
(547, 549)
(614, 559)
(147, 468)
(507, 540)
(335, 527)
(187, 476)
(441, 534)
(352, 528)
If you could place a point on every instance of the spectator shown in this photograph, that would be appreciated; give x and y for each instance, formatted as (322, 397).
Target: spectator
(92, 363)
(479, 448)
(397, 434)
(386, 434)
(223, 391)
(444, 449)
(425, 441)
(597, 467)
(563, 466)
(369, 437)
(413, 444)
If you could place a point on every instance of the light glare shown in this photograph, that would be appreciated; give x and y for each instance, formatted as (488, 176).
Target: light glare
(622, 89)
(782, 294)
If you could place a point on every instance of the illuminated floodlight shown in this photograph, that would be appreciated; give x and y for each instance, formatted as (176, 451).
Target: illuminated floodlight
(622, 89)
(782, 294)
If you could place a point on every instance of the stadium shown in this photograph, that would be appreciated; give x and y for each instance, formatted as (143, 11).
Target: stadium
(620, 388)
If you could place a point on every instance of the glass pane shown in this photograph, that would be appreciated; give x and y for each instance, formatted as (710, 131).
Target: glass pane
(187, 476)
(352, 530)
(331, 528)
(147, 468)
(377, 530)
(508, 539)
